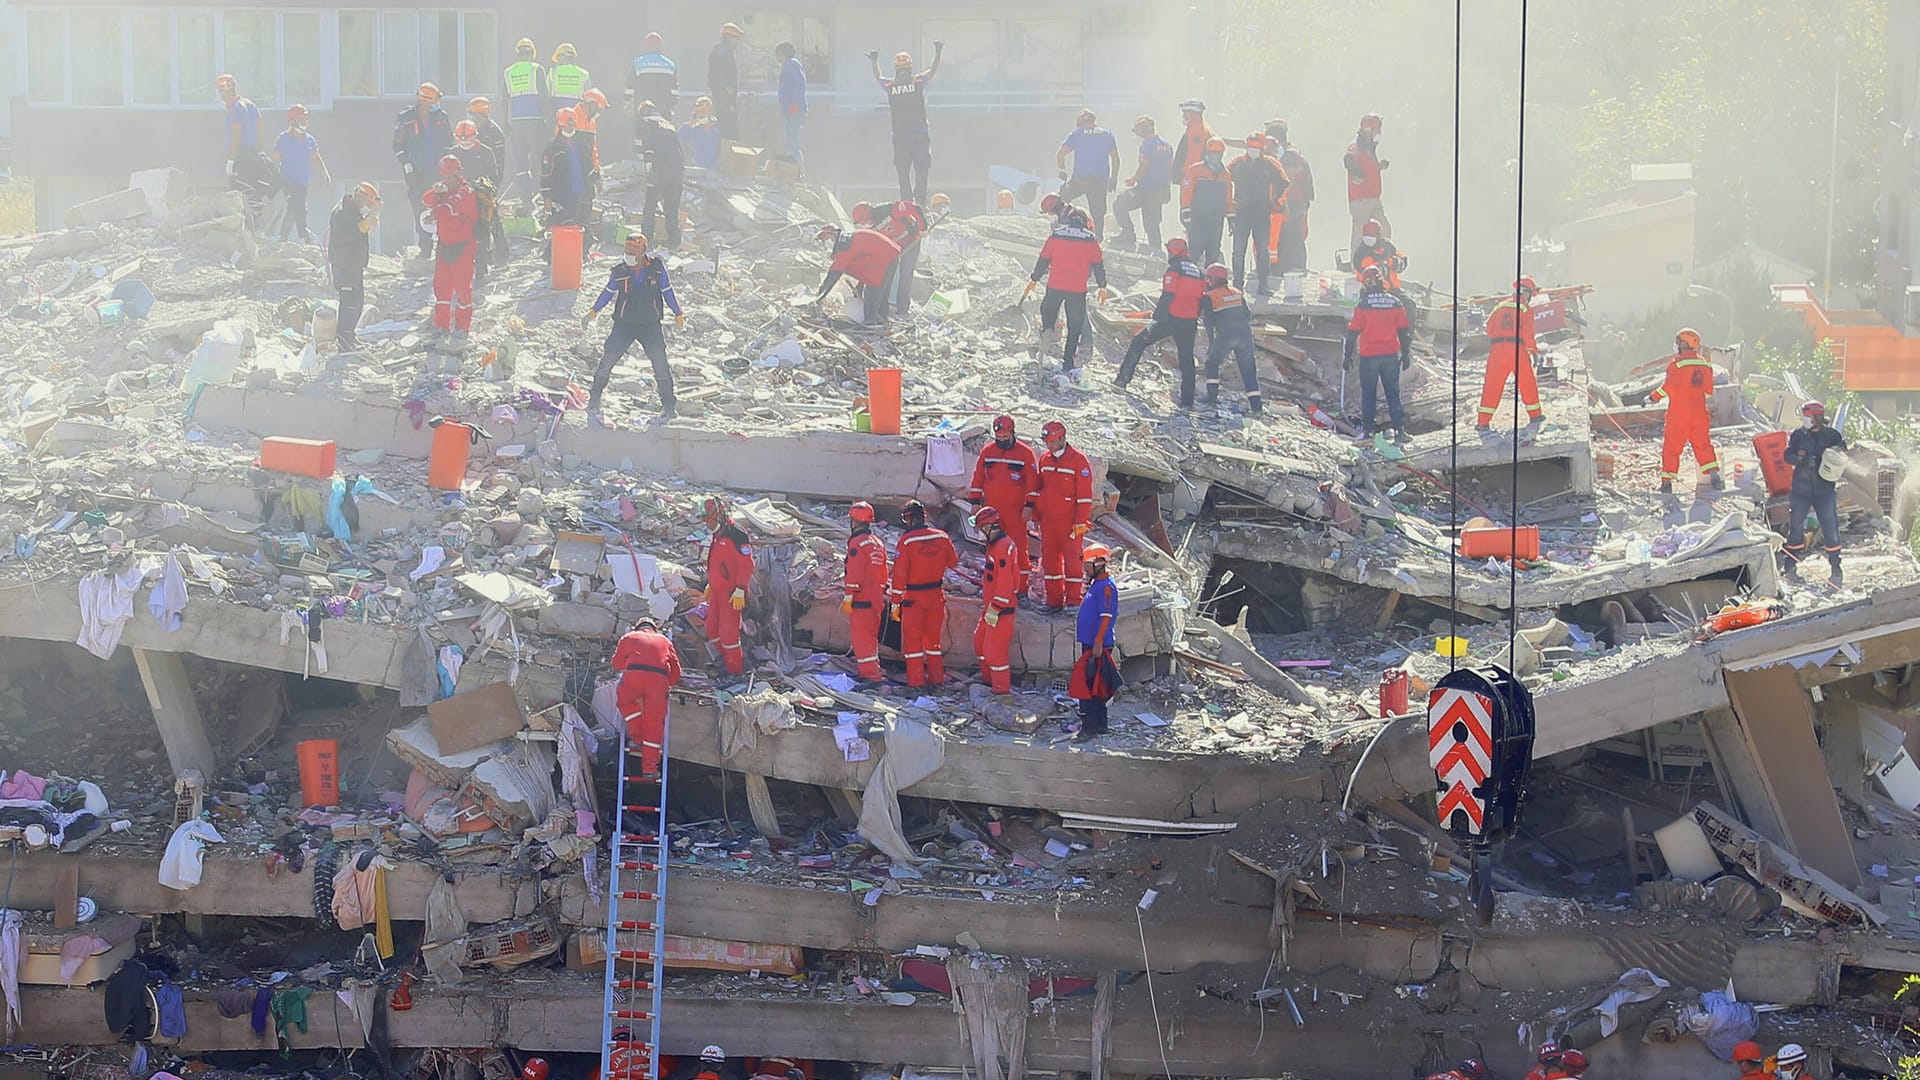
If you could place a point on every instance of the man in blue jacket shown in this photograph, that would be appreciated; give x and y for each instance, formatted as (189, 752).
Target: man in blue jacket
(1098, 611)
(793, 98)
(641, 295)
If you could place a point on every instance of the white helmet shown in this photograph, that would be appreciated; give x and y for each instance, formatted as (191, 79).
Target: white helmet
(1791, 1054)
(713, 1053)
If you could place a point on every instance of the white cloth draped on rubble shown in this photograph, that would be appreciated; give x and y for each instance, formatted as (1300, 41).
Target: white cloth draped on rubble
(180, 867)
(10, 967)
(914, 751)
(168, 601)
(106, 605)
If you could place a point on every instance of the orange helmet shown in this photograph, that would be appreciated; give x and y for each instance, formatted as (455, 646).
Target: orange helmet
(466, 133)
(565, 121)
(594, 97)
(429, 93)
(862, 511)
(1525, 284)
(1095, 551)
(1687, 338)
(368, 192)
(479, 106)
(636, 244)
(1749, 1051)
(1257, 141)
(1216, 145)
(939, 201)
(296, 113)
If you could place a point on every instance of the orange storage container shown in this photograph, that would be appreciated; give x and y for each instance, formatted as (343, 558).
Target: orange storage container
(563, 264)
(319, 772)
(447, 461)
(1522, 542)
(1771, 449)
(883, 400)
(1394, 684)
(301, 457)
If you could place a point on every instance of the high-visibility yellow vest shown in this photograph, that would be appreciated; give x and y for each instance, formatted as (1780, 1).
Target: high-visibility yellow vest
(567, 81)
(523, 77)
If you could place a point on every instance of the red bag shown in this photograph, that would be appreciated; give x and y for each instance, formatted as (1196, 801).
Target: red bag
(1094, 678)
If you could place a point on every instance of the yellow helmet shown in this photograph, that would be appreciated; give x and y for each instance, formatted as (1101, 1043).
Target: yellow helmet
(566, 51)
(524, 45)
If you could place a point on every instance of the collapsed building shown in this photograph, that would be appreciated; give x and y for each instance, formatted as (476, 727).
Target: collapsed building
(1720, 841)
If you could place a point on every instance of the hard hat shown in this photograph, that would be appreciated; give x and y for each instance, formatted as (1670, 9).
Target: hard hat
(1548, 1053)
(1085, 114)
(729, 30)
(565, 120)
(369, 192)
(861, 213)
(1257, 140)
(1371, 228)
(654, 41)
(296, 112)
(1280, 126)
(1574, 1061)
(535, 1069)
(566, 50)
(1003, 424)
(598, 99)
(1791, 1054)
(1217, 272)
(1050, 204)
(479, 105)
(1813, 408)
(1372, 275)
(646, 622)
(713, 510)
(223, 82)
(450, 166)
(1687, 338)
(636, 244)
(827, 232)
(939, 201)
(523, 45)
(1095, 551)
(1370, 122)
(861, 511)
(985, 516)
(1525, 284)
(1474, 1069)
(1053, 429)
(712, 1052)
(1177, 246)
(1003, 199)
(1216, 145)
(1748, 1051)
(914, 512)
(429, 93)
(1193, 105)
(902, 60)
(466, 133)
(703, 102)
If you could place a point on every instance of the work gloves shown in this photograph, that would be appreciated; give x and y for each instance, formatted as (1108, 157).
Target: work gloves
(990, 617)
(739, 600)
(1079, 531)
(1186, 216)
(896, 612)
(1063, 174)
(873, 55)
(846, 605)
(679, 320)
(1102, 295)
(1028, 291)
(406, 168)
(587, 319)
(1406, 359)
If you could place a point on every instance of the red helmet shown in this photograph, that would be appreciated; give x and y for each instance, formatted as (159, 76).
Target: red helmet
(1371, 122)
(1177, 247)
(1749, 1051)
(861, 213)
(862, 511)
(913, 513)
(1003, 424)
(1053, 429)
(296, 113)
(564, 120)
(1371, 275)
(985, 516)
(535, 1069)
(598, 99)
(450, 167)
(1548, 1053)
(1474, 1069)
(827, 232)
(1217, 273)
(1371, 228)
(654, 41)
(1050, 204)
(1525, 284)
(1573, 1062)
(1813, 408)
(1257, 140)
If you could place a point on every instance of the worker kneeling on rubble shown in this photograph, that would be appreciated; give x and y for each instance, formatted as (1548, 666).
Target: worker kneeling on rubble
(648, 667)
(1814, 488)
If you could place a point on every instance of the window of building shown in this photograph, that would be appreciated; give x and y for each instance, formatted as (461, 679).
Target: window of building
(1044, 56)
(359, 54)
(440, 52)
(46, 55)
(972, 57)
(251, 43)
(300, 57)
(195, 63)
(96, 49)
(152, 57)
(812, 38)
(399, 55)
(481, 51)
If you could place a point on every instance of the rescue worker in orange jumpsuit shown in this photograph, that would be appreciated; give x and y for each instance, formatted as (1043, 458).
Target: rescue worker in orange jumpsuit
(1206, 199)
(1195, 133)
(1064, 507)
(866, 591)
(1470, 1069)
(729, 575)
(1176, 316)
(1006, 476)
(1688, 385)
(1000, 592)
(1751, 1061)
(1364, 166)
(1510, 331)
(456, 212)
(919, 602)
(648, 667)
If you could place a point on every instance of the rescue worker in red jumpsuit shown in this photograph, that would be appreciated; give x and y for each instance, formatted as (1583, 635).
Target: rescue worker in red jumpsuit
(1470, 1069)
(1751, 1061)
(1364, 166)
(1176, 316)
(1510, 331)
(1069, 257)
(455, 214)
(1688, 385)
(1064, 507)
(1006, 476)
(919, 602)
(1000, 591)
(867, 256)
(904, 224)
(729, 575)
(866, 591)
(1554, 1063)
(648, 667)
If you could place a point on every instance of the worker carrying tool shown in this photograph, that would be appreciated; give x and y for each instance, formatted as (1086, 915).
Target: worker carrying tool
(865, 603)
(1206, 199)
(1364, 166)
(919, 602)
(1006, 477)
(1380, 336)
(1229, 333)
(1069, 256)
(456, 215)
(1064, 508)
(729, 577)
(1259, 194)
(1095, 678)
(648, 666)
(1176, 316)
(641, 295)
(1814, 488)
(1688, 385)
(1000, 592)
(867, 256)
(1514, 350)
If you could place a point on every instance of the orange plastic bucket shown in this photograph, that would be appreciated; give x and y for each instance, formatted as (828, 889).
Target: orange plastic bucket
(1771, 449)
(447, 461)
(883, 400)
(563, 265)
(1522, 542)
(319, 772)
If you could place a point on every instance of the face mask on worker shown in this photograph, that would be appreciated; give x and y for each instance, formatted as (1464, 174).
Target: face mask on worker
(1213, 160)
(633, 260)
(1807, 422)
(567, 133)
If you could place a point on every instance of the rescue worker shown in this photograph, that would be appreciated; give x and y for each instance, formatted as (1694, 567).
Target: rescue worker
(1259, 191)
(666, 171)
(792, 98)
(723, 80)
(865, 603)
(566, 174)
(907, 108)
(1469, 1069)
(1000, 589)
(1096, 166)
(298, 154)
(1806, 448)
(1063, 506)
(654, 78)
(478, 165)
(1069, 256)
(1289, 242)
(905, 224)
(1688, 385)
(566, 80)
(586, 120)
(348, 249)
(1375, 249)
(247, 172)
(641, 294)
(1364, 166)
(1382, 338)
(1093, 629)
(1206, 200)
(648, 666)
(535, 1069)
(1006, 477)
(422, 136)
(476, 160)
(919, 602)
(867, 256)
(456, 217)
(1194, 137)
(729, 577)
(1553, 1063)
(524, 84)
(1148, 189)
(1790, 1061)
(711, 1066)
(1229, 331)
(939, 208)
(494, 138)
(1176, 316)
(1514, 350)
(700, 135)
(1751, 1061)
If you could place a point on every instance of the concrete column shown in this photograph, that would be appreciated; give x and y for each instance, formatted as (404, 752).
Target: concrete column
(164, 675)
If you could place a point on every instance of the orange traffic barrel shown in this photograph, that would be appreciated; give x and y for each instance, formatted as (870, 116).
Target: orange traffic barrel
(319, 772)
(563, 264)
(1521, 542)
(1771, 448)
(883, 400)
(447, 460)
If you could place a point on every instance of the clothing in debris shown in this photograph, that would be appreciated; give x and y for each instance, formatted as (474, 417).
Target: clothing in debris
(180, 867)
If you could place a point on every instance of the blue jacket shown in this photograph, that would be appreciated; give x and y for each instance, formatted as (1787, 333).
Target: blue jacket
(1103, 598)
(793, 86)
